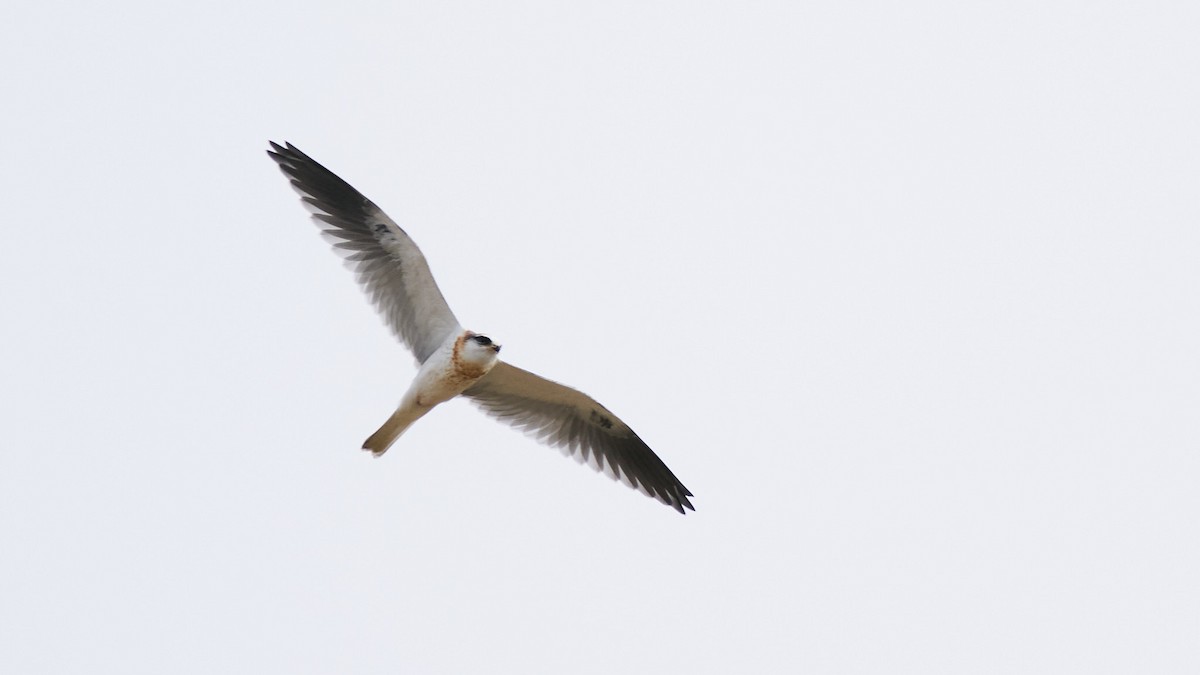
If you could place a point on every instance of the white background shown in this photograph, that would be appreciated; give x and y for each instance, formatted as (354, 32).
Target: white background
(906, 293)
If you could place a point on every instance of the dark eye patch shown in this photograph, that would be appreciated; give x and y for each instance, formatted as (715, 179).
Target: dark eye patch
(483, 340)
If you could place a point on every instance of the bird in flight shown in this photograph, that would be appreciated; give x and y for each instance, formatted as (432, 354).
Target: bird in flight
(457, 362)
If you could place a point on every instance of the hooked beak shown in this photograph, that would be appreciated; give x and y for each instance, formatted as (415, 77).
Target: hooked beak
(496, 347)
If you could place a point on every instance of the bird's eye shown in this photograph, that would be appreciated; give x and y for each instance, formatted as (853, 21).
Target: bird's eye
(483, 340)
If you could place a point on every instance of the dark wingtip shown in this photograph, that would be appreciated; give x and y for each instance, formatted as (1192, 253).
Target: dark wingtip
(679, 499)
(277, 151)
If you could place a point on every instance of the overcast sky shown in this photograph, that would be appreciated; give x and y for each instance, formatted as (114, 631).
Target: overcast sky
(908, 295)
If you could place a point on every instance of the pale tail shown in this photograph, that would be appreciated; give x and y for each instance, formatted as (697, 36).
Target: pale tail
(400, 420)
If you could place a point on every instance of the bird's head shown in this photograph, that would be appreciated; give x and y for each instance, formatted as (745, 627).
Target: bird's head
(479, 349)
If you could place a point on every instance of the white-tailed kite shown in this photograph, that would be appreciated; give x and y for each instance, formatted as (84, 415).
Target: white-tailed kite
(454, 361)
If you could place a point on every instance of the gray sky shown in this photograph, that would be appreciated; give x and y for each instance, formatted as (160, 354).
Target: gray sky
(908, 295)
